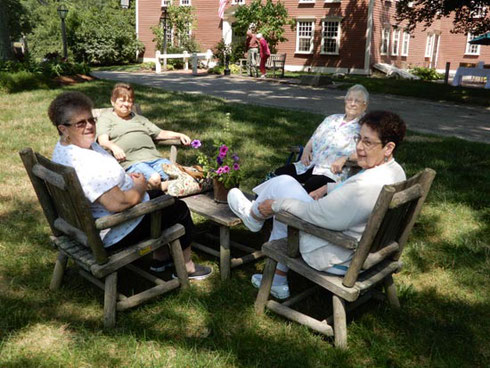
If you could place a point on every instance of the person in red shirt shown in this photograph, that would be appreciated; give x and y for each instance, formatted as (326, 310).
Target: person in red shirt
(252, 46)
(264, 53)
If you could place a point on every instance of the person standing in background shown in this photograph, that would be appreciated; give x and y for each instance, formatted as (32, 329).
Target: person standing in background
(252, 46)
(264, 53)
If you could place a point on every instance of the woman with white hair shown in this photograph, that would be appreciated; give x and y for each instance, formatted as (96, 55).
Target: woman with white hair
(264, 53)
(330, 146)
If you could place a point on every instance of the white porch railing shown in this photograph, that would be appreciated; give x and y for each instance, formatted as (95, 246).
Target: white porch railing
(185, 56)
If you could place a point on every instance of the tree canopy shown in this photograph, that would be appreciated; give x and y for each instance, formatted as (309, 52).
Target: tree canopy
(268, 19)
(470, 16)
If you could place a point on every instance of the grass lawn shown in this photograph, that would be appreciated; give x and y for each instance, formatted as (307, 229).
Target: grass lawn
(444, 287)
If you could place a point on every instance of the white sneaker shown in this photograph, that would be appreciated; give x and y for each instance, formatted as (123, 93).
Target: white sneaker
(277, 291)
(241, 207)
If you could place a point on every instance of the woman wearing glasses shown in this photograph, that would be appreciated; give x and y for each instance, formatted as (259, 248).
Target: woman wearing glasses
(106, 185)
(346, 208)
(330, 146)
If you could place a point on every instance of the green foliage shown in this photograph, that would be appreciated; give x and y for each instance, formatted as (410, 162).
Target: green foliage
(268, 19)
(49, 68)
(182, 20)
(23, 81)
(235, 51)
(463, 13)
(426, 74)
(220, 69)
(98, 32)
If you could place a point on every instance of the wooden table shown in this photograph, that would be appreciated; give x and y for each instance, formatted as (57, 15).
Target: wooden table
(220, 214)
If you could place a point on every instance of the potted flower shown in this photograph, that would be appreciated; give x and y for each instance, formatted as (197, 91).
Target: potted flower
(222, 166)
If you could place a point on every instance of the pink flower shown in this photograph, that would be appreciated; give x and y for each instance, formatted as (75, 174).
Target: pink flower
(223, 150)
(236, 166)
(196, 143)
(219, 171)
(226, 169)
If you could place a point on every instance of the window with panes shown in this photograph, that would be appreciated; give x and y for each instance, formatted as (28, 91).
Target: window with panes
(304, 36)
(330, 36)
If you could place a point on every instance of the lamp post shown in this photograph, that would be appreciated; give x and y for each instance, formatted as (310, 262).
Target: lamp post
(163, 22)
(62, 12)
(125, 4)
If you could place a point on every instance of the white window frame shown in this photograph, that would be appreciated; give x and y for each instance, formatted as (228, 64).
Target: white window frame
(185, 3)
(385, 40)
(332, 1)
(405, 43)
(337, 20)
(429, 45)
(395, 42)
(238, 2)
(471, 49)
(306, 1)
(298, 37)
(166, 3)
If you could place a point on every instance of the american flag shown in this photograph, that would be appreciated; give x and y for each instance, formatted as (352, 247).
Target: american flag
(221, 9)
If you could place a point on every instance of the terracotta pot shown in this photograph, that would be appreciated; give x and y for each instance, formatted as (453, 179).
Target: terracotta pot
(220, 193)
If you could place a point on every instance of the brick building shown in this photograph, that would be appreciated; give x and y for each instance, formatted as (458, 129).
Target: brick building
(331, 35)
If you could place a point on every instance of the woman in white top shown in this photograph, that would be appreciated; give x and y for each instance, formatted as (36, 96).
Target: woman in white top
(330, 146)
(346, 208)
(107, 187)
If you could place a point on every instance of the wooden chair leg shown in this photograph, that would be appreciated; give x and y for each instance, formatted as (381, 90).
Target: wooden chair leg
(58, 272)
(339, 322)
(224, 252)
(390, 290)
(179, 263)
(265, 286)
(110, 300)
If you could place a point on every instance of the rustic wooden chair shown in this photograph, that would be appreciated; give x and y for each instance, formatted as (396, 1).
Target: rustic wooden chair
(375, 259)
(173, 143)
(76, 235)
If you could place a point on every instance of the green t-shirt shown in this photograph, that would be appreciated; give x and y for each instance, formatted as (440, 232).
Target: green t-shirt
(135, 136)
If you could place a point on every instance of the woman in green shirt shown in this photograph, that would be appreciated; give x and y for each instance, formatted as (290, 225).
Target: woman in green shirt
(130, 137)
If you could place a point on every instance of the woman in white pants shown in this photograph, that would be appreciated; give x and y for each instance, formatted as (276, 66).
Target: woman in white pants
(346, 207)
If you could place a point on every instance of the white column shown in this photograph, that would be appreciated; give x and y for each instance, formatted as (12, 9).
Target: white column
(227, 32)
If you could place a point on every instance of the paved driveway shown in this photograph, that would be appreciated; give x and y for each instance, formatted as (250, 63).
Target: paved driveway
(470, 123)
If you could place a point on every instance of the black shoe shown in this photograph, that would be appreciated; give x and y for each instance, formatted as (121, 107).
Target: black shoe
(160, 266)
(201, 272)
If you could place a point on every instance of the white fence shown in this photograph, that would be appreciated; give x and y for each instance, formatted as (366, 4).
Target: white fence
(185, 56)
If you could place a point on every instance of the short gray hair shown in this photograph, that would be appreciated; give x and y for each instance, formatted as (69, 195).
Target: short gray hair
(67, 103)
(360, 89)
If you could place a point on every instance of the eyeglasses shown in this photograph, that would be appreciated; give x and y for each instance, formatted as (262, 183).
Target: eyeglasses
(83, 123)
(355, 101)
(367, 144)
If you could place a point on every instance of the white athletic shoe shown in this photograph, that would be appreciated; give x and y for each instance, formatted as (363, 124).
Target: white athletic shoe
(241, 207)
(277, 291)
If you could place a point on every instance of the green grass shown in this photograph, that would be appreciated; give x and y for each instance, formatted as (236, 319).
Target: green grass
(435, 91)
(444, 287)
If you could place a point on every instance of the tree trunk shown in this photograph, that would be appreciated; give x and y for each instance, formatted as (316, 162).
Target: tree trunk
(5, 45)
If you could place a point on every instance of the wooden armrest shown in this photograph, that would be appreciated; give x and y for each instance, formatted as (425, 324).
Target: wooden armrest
(133, 212)
(169, 142)
(335, 237)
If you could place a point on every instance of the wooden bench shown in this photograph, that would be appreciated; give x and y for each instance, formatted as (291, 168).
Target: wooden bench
(274, 62)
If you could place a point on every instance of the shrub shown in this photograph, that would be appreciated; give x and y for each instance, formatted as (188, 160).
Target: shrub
(23, 81)
(427, 74)
(235, 51)
(220, 69)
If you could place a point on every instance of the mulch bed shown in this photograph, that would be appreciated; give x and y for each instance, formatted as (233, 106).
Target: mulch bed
(67, 80)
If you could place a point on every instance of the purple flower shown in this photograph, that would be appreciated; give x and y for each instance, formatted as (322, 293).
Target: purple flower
(226, 169)
(236, 166)
(196, 143)
(223, 150)
(219, 160)
(235, 157)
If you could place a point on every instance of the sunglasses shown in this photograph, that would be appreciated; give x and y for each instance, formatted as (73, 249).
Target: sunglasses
(83, 123)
